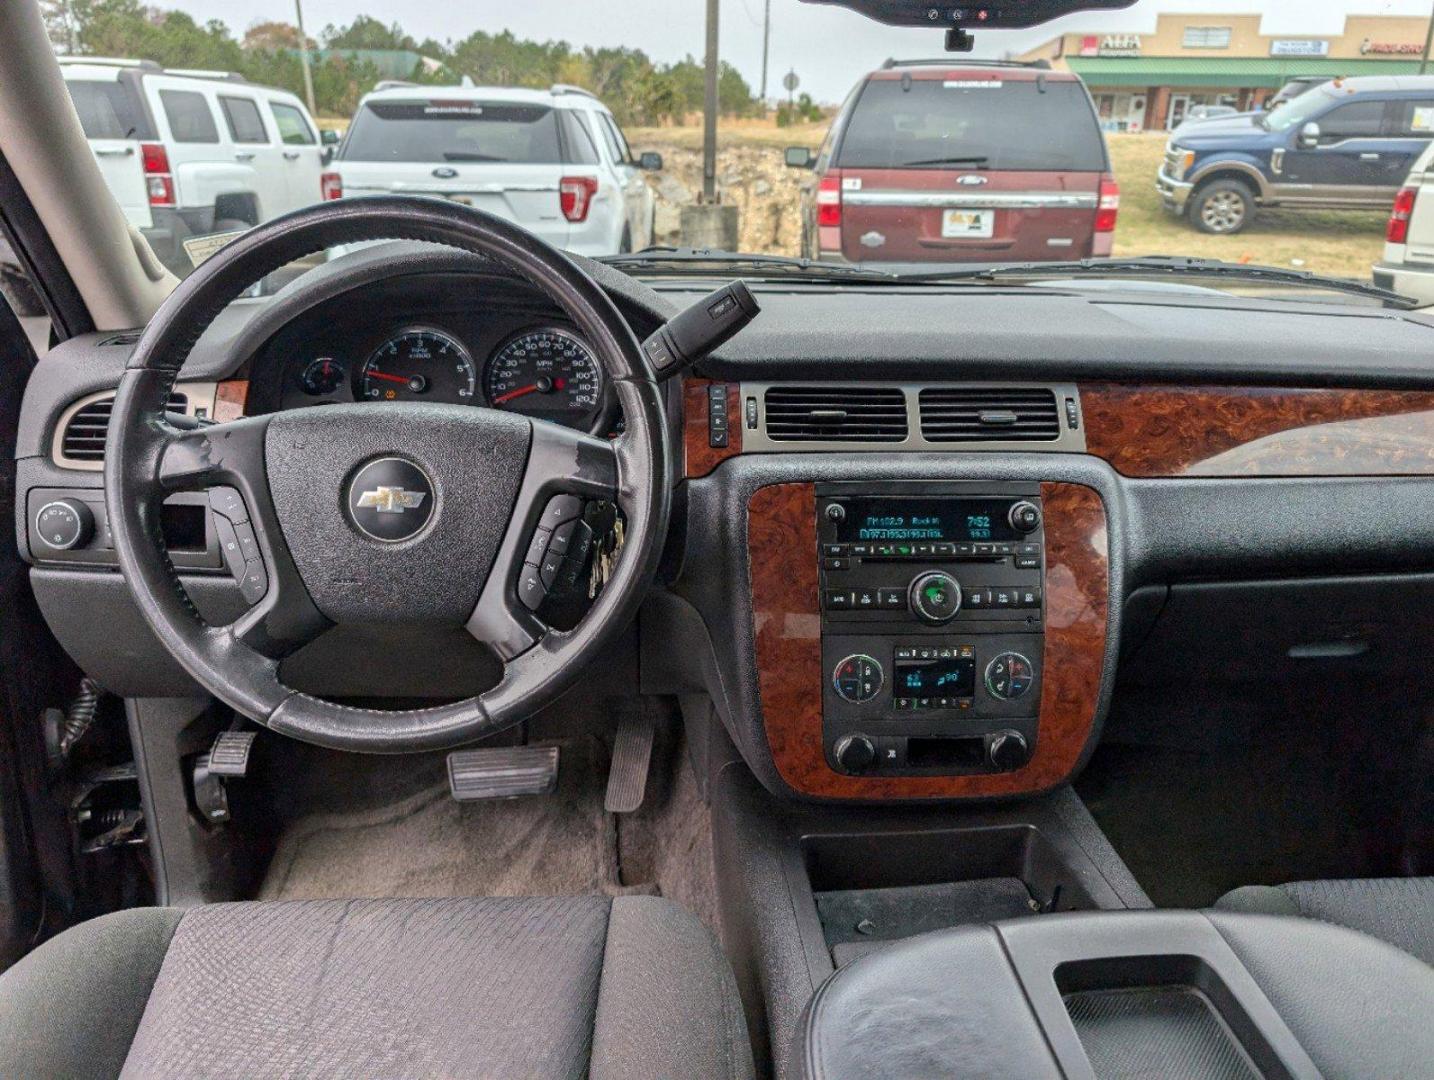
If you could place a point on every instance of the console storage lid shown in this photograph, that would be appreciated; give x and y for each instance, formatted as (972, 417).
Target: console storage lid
(1123, 994)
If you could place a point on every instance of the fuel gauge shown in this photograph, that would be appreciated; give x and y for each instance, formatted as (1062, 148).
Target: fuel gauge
(322, 377)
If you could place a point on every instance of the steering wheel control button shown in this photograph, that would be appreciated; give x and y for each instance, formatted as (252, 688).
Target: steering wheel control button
(1009, 676)
(562, 509)
(934, 597)
(562, 538)
(228, 503)
(538, 546)
(390, 500)
(858, 678)
(229, 546)
(531, 590)
(65, 524)
(1025, 517)
(255, 582)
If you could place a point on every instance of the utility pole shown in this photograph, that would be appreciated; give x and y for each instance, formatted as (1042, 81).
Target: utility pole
(304, 58)
(1428, 41)
(766, 42)
(709, 112)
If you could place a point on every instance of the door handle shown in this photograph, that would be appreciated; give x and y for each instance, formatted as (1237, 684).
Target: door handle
(247, 155)
(291, 155)
(116, 151)
(1368, 157)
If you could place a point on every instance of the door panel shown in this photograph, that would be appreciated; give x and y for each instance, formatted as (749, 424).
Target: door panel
(1353, 152)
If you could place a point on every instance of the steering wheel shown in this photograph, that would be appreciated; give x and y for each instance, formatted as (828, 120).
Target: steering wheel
(387, 512)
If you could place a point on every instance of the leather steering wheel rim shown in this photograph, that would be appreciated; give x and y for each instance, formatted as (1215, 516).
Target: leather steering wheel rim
(147, 458)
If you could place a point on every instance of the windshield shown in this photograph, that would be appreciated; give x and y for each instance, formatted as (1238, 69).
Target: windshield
(843, 146)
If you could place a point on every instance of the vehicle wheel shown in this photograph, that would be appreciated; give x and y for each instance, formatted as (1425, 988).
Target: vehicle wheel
(625, 246)
(1222, 207)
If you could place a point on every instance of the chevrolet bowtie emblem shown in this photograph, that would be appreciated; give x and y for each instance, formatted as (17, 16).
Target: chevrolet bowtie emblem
(391, 500)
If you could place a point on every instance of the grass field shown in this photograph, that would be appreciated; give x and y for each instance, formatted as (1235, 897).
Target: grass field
(1340, 243)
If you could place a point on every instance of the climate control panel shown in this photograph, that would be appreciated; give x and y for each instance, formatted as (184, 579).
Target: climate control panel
(932, 626)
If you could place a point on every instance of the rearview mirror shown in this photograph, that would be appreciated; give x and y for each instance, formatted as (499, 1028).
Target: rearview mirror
(328, 136)
(1006, 16)
(799, 157)
(651, 161)
(1309, 135)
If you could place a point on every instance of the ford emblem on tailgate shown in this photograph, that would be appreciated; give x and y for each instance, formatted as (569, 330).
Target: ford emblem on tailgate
(970, 180)
(443, 172)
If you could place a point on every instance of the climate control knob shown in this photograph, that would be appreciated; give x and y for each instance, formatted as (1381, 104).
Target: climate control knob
(854, 752)
(935, 597)
(858, 678)
(1024, 516)
(65, 524)
(1008, 750)
(1009, 676)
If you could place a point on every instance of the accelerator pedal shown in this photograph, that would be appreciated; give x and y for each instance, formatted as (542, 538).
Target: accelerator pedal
(502, 772)
(631, 755)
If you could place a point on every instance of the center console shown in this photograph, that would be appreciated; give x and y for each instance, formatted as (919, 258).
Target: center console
(932, 626)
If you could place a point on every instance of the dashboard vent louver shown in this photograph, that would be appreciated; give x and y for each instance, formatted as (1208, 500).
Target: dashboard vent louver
(84, 438)
(997, 414)
(836, 414)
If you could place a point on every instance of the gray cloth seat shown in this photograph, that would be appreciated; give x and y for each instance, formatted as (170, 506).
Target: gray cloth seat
(495, 987)
(1397, 910)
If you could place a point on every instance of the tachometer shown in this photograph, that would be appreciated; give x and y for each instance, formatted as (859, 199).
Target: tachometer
(547, 373)
(419, 365)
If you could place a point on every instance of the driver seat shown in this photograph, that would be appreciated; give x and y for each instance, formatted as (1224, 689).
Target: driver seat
(461, 987)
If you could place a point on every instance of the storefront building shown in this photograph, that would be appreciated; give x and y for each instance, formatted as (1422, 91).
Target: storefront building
(1149, 81)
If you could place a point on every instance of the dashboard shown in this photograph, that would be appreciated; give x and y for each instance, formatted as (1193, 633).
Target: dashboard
(428, 338)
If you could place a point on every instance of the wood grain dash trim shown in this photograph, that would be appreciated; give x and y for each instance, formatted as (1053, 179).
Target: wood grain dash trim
(230, 398)
(1154, 431)
(700, 458)
(782, 570)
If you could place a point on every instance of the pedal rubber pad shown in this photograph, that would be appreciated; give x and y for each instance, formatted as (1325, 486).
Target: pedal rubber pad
(631, 756)
(502, 772)
(230, 754)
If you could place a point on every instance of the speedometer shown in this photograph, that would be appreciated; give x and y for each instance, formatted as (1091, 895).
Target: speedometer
(419, 364)
(547, 373)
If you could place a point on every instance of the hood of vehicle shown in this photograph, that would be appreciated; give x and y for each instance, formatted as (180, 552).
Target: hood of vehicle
(1223, 130)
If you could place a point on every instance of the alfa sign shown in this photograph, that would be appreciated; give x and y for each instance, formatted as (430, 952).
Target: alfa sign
(1110, 45)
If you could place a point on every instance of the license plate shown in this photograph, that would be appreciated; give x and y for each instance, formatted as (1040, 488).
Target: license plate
(972, 224)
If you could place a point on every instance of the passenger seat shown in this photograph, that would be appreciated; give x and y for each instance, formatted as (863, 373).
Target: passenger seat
(1398, 910)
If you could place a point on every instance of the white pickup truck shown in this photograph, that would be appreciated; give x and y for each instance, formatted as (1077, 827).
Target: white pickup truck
(187, 153)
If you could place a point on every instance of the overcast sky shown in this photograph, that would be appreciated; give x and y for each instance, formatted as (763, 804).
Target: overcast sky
(828, 47)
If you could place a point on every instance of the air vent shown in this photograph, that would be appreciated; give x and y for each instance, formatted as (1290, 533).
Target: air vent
(836, 414)
(970, 414)
(129, 337)
(84, 438)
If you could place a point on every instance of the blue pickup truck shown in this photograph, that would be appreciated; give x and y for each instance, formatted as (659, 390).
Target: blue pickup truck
(1347, 144)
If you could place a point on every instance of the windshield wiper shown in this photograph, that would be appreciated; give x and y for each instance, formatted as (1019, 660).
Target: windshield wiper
(1154, 266)
(670, 258)
(970, 159)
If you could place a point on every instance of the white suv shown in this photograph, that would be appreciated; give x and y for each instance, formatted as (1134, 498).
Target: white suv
(187, 153)
(1408, 264)
(554, 161)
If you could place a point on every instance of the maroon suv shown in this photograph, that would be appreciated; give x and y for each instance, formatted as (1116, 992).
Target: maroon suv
(952, 161)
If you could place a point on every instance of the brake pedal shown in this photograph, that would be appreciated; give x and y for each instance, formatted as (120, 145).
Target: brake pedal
(502, 772)
(631, 756)
(229, 756)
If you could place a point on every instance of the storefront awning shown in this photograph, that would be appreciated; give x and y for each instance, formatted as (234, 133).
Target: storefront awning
(1223, 71)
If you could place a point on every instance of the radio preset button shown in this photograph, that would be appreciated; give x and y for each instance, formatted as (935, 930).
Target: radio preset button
(838, 600)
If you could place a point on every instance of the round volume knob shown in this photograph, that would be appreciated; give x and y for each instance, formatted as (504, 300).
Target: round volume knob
(935, 597)
(858, 678)
(1008, 750)
(1025, 517)
(854, 752)
(65, 524)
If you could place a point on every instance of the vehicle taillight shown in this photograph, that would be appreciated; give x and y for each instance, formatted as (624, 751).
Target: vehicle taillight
(331, 186)
(1107, 206)
(829, 201)
(157, 178)
(575, 196)
(1397, 231)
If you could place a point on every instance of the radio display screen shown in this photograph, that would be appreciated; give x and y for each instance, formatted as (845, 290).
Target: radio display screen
(955, 677)
(916, 519)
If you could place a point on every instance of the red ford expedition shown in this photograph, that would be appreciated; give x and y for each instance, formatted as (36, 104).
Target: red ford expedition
(960, 161)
